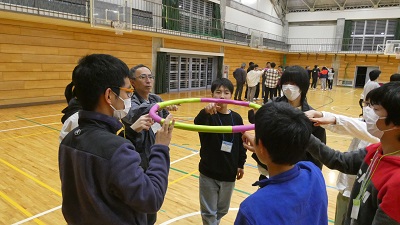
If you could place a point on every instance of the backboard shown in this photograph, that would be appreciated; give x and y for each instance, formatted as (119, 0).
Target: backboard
(392, 47)
(112, 14)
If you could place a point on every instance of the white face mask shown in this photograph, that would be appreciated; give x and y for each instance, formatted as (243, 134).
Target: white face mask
(370, 118)
(291, 91)
(121, 113)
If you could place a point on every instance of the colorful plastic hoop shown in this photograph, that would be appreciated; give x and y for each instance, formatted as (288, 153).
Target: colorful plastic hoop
(203, 128)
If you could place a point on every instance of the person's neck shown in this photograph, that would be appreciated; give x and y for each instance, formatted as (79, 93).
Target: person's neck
(224, 110)
(390, 145)
(275, 169)
(295, 103)
(144, 95)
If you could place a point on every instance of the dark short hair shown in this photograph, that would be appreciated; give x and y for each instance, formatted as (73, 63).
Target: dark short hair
(132, 71)
(284, 131)
(221, 82)
(388, 96)
(395, 77)
(299, 76)
(94, 74)
(251, 63)
(374, 74)
(273, 65)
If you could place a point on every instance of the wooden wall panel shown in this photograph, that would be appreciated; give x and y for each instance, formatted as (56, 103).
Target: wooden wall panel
(36, 60)
(194, 46)
(234, 57)
(304, 59)
(347, 63)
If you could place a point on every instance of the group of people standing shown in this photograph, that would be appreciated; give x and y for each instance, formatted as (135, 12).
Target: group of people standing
(122, 179)
(270, 78)
(325, 76)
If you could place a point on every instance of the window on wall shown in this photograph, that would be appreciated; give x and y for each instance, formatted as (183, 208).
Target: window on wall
(189, 72)
(367, 34)
(196, 16)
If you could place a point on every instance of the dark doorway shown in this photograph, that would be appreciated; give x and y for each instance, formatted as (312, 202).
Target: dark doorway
(362, 75)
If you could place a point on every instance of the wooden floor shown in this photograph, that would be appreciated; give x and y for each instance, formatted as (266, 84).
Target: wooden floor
(30, 185)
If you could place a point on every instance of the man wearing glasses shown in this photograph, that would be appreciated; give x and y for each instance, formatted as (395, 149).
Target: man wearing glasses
(101, 179)
(142, 100)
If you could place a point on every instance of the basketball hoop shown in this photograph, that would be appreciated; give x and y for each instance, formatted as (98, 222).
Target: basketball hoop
(119, 27)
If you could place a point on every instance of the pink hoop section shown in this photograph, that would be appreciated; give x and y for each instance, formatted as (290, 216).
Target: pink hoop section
(203, 128)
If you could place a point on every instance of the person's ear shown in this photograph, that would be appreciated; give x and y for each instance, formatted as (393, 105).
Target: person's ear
(262, 149)
(107, 95)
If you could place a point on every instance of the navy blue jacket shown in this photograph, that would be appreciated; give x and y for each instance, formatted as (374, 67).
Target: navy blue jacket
(101, 180)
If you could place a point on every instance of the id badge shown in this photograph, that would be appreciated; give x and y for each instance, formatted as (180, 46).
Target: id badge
(226, 146)
(355, 209)
(155, 127)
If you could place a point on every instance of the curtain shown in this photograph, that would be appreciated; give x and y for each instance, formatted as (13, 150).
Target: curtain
(170, 15)
(397, 34)
(161, 85)
(220, 62)
(216, 21)
(346, 35)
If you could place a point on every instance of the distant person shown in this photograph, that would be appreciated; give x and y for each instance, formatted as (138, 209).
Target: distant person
(371, 84)
(395, 77)
(240, 76)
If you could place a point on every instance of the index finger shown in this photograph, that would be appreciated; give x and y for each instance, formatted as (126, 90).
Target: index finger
(166, 122)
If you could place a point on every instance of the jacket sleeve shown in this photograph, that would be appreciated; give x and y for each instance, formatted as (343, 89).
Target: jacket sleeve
(345, 162)
(143, 192)
(241, 219)
(350, 126)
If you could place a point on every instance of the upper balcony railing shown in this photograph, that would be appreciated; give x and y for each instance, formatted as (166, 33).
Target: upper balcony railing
(70, 9)
(155, 17)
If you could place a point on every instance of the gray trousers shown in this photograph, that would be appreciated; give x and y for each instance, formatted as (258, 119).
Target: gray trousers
(323, 83)
(215, 198)
(250, 93)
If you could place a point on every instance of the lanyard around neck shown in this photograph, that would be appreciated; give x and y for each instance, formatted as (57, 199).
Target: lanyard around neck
(233, 124)
(371, 170)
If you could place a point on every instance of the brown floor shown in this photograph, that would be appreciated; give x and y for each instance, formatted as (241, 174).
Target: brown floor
(30, 184)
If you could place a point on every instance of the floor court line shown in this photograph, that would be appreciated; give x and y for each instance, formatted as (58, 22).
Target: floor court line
(20, 128)
(30, 177)
(37, 117)
(19, 207)
(29, 135)
(184, 158)
(37, 215)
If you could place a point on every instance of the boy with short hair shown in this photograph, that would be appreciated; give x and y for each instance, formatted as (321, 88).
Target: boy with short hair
(222, 155)
(295, 193)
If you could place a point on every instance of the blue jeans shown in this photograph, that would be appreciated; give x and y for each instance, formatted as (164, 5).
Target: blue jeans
(215, 198)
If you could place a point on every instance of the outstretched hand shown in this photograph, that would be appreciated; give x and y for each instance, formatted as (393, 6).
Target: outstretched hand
(323, 120)
(212, 108)
(313, 114)
(172, 107)
(143, 123)
(248, 141)
(164, 134)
